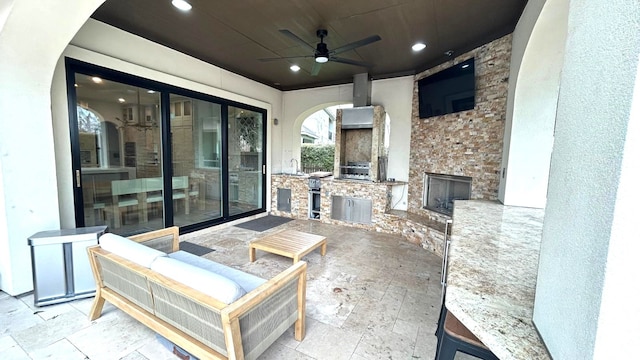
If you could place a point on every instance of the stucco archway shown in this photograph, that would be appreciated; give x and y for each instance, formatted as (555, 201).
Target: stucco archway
(28, 194)
(297, 126)
(532, 103)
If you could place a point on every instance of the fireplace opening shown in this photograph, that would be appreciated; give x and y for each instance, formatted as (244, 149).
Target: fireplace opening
(440, 190)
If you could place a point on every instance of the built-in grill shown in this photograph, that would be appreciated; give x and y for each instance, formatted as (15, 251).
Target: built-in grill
(314, 198)
(358, 170)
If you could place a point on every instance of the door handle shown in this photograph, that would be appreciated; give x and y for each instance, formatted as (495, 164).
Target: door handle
(78, 184)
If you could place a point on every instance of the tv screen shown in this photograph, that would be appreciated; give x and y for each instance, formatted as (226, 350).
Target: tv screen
(448, 91)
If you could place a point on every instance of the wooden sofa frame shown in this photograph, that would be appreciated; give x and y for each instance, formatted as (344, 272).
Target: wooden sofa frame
(292, 279)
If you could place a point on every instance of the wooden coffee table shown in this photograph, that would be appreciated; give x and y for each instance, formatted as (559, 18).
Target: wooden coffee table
(290, 243)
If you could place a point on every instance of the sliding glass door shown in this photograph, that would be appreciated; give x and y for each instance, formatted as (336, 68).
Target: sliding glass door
(147, 155)
(196, 152)
(246, 166)
(118, 138)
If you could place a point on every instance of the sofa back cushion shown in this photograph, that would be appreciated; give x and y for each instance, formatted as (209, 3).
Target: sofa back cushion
(246, 280)
(129, 249)
(209, 283)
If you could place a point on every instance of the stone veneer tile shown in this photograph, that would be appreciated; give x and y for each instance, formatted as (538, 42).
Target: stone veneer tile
(387, 345)
(321, 342)
(467, 143)
(54, 351)
(51, 331)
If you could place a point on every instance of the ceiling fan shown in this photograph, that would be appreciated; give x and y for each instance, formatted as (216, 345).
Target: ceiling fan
(321, 52)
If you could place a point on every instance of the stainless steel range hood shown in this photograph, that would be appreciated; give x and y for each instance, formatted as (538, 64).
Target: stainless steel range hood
(361, 115)
(358, 118)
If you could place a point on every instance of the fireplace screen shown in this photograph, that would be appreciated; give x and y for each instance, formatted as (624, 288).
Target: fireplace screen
(441, 190)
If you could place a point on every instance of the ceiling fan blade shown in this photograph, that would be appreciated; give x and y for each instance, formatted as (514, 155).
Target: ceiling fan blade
(349, 61)
(285, 58)
(295, 38)
(355, 44)
(316, 68)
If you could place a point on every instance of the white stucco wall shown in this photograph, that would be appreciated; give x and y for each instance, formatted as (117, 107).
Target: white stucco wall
(586, 269)
(536, 62)
(396, 96)
(100, 44)
(31, 41)
(618, 321)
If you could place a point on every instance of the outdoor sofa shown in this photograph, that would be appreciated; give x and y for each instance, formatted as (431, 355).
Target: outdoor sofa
(210, 310)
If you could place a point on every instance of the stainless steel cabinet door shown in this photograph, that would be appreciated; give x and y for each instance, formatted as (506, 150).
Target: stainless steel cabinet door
(339, 209)
(351, 209)
(361, 210)
(284, 200)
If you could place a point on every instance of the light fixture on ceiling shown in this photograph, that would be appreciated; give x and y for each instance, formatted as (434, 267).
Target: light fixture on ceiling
(418, 46)
(294, 68)
(96, 80)
(121, 100)
(181, 5)
(448, 52)
(464, 66)
(322, 59)
(150, 92)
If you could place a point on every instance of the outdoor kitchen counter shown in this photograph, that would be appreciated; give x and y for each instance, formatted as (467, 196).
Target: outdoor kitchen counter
(493, 262)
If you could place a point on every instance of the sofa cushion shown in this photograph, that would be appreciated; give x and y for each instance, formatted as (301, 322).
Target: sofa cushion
(129, 249)
(247, 281)
(207, 282)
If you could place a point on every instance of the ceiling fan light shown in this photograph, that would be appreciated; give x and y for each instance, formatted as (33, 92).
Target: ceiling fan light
(321, 59)
(181, 5)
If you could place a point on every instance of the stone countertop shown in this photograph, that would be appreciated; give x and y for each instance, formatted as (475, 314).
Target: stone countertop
(493, 262)
(331, 178)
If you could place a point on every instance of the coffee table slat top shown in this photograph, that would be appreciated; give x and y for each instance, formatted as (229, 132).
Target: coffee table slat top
(290, 243)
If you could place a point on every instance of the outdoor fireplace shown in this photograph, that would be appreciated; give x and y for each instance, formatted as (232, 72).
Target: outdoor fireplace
(441, 190)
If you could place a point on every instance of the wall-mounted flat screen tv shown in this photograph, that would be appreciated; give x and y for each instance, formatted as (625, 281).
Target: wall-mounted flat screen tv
(448, 91)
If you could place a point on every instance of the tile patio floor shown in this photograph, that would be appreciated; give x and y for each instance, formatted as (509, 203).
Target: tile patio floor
(373, 296)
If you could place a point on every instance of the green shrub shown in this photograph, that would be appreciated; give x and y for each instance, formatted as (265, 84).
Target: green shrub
(317, 157)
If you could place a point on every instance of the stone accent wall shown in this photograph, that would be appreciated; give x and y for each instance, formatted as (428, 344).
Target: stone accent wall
(419, 230)
(299, 195)
(379, 193)
(467, 143)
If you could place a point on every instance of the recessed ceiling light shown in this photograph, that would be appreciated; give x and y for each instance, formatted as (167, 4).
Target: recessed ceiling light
(150, 92)
(121, 100)
(465, 66)
(96, 80)
(418, 46)
(181, 4)
(75, 85)
(294, 68)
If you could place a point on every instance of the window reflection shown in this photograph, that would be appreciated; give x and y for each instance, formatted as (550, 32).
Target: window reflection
(119, 145)
(195, 150)
(245, 160)
(119, 138)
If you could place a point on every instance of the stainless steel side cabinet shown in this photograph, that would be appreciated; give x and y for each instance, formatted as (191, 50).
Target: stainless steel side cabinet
(60, 264)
